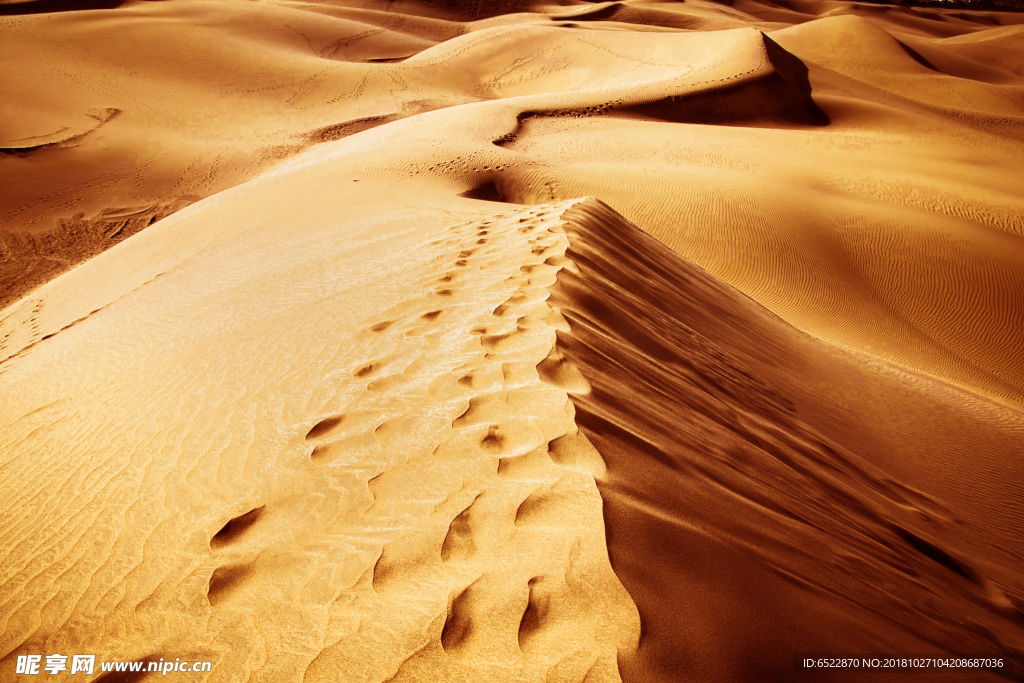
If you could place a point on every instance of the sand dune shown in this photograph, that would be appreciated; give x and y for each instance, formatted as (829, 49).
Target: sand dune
(760, 481)
(640, 341)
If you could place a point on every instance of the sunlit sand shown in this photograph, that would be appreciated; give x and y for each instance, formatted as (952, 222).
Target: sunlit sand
(632, 341)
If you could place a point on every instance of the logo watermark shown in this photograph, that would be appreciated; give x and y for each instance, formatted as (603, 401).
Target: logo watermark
(33, 665)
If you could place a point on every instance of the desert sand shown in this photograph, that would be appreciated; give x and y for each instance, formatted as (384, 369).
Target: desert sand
(401, 341)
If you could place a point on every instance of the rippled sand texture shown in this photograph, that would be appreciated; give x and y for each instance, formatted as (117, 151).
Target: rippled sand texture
(640, 341)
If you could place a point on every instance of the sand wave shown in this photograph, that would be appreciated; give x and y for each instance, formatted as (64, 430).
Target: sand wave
(620, 341)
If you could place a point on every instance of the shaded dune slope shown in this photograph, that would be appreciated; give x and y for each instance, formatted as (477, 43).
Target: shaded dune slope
(748, 528)
(474, 152)
(781, 96)
(409, 477)
(407, 407)
(793, 167)
(208, 95)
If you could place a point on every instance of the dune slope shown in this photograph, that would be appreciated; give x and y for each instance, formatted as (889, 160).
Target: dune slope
(641, 341)
(748, 527)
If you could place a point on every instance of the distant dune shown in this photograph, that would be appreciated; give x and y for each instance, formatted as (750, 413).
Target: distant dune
(460, 341)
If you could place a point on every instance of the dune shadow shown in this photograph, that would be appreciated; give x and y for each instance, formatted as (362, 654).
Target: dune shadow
(917, 56)
(933, 552)
(46, 6)
(487, 192)
(780, 99)
(126, 676)
(236, 528)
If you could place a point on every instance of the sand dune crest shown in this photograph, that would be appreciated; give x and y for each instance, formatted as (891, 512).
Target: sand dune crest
(639, 341)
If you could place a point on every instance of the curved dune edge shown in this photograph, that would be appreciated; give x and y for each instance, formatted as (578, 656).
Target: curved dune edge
(477, 151)
(62, 136)
(857, 213)
(831, 210)
(426, 511)
(349, 417)
(747, 525)
(408, 490)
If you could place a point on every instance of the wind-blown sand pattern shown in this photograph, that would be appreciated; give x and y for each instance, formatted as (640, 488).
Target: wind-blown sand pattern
(628, 341)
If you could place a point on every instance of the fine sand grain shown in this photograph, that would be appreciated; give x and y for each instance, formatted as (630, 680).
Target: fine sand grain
(460, 341)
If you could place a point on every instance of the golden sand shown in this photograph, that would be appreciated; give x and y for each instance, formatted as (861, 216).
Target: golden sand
(631, 341)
